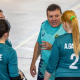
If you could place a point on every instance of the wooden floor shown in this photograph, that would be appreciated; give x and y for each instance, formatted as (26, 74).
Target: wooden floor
(25, 17)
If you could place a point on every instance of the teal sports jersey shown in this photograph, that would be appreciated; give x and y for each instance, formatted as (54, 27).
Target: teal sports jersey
(63, 58)
(8, 62)
(8, 42)
(48, 34)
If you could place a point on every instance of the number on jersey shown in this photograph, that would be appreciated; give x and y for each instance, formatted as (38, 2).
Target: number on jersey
(72, 66)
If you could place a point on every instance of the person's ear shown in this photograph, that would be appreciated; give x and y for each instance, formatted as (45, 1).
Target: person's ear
(6, 34)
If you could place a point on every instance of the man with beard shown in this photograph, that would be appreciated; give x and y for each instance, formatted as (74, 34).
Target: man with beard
(50, 29)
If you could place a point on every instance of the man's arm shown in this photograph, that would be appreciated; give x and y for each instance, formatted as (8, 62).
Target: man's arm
(37, 51)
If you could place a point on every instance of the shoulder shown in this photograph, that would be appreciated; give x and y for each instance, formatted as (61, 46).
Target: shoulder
(11, 52)
(44, 24)
(8, 49)
(60, 40)
(8, 42)
(64, 38)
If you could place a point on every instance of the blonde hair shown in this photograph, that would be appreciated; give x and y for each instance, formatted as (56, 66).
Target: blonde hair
(75, 28)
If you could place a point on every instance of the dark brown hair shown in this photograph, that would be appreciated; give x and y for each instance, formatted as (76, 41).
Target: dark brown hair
(4, 27)
(53, 7)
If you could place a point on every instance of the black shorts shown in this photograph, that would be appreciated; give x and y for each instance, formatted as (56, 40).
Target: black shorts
(67, 78)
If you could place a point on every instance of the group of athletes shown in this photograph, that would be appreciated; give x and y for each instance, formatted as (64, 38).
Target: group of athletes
(57, 44)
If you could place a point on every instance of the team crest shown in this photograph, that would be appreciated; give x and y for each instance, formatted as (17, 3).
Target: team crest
(56, 35)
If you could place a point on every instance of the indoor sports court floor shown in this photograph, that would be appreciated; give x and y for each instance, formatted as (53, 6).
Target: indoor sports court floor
(25, 17)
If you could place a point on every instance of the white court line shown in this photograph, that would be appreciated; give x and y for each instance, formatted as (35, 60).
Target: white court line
(76, 7)
(26, 40)
(38, 32)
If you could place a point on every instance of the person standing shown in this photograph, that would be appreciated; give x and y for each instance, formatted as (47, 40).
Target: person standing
(65, 57)
(50, 29)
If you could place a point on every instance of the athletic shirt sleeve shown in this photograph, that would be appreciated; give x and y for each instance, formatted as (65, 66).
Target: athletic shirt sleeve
(39, 37)
(13, 64)
(54, 57)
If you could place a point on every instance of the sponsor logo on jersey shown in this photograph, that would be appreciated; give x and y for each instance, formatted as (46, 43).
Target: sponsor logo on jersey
(56, 35)
(43, 34)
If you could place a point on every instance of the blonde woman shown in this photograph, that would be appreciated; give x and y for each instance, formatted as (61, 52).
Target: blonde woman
(65, 56)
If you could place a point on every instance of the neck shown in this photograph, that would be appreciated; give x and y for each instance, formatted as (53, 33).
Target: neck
(2, 41)
(69, 31)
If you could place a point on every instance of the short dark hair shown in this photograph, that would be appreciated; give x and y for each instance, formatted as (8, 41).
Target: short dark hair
(4, 27)
(1, 10)
(53, 7)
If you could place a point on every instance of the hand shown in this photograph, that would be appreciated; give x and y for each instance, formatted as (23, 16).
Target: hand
(46, 46)
(22, 77)
(33, 70)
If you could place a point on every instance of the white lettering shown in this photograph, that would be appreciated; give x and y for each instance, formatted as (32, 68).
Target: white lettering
(0, 57)
(68, 46)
